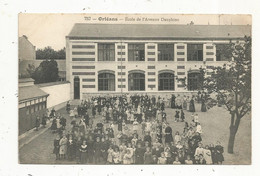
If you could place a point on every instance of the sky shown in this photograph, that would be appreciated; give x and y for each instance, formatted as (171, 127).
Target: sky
(50, 29)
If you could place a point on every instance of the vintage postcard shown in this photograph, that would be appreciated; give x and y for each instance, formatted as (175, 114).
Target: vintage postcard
(140, 89)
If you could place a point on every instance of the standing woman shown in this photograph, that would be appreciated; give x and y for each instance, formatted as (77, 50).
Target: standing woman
(54, 125)
(93, 111)
(63, 147)
(184, 104)
(56, 149)
(168, 134)
(37, 123)
(192, 106)
(203, 104)
(173, 101)
(207, 155)
(71, 148)
(188, 103)
(219, 153)
(120, 123)
(44, 119)
(83, 152)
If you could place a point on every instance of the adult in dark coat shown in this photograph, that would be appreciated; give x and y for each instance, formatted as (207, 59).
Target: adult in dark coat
(168, 134)
(93, 112)
(37, 123)
(44, 119)
(99, 108)
(192, 106)
(173, 102)
(139, 154)
(56, 148)
(203, 105)
(90, 143)
(119, 122)
(86, 119)
(219, 153)
(71, 150)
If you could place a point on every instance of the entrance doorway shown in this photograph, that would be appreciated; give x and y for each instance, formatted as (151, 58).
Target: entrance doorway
(76, 88)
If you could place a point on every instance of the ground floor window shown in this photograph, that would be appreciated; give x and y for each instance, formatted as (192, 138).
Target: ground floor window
(136, 81)
(195, 81)
(166, 81)
(106, 82)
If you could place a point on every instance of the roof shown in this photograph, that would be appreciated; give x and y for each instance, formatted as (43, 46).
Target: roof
(158, 31)
(30, 92)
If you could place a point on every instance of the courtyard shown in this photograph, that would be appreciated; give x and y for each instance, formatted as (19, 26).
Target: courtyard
(215, 127)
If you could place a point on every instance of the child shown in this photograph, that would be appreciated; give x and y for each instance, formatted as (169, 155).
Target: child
(162, 159)
(116, 155)
(207, 155)
(148, 159)
(179, 146)
(199, 150)
(110, 152)
(182, 116)
(132, 118)
(177, 116)
(143, 127)
(153, 135)
(63, 147)
(196, 118)
(177, 137)
(201, 159)
(188, 160)
(135, 125)
(134, 140)
(127, 157)
(198, 128)
(148, 126)
(131, 153)
(176, 161)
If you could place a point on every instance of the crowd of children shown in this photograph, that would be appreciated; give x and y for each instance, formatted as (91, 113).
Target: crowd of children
(131, 130)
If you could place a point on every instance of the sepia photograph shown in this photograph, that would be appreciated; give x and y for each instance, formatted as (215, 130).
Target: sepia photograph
(134, 89)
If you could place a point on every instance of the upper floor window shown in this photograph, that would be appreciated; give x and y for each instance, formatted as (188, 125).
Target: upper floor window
(165, 52)
(106, 52)
(195, 52)
(220, 52)
(136, 52)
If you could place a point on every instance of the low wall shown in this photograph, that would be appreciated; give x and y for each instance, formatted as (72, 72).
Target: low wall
(59, 93)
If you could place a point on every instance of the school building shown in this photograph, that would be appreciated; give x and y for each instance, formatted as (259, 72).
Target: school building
(148, 58)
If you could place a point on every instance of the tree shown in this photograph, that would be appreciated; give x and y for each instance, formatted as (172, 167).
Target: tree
(46, 72)
(49, 53)
(231, 85)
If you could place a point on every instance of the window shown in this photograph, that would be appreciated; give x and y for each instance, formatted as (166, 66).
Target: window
(136, 81)
(165, 52)
(166, 81)
(106, 82)
(220, 56)
(195, 81)
(136, 52)
(106, 52)
(195, 52)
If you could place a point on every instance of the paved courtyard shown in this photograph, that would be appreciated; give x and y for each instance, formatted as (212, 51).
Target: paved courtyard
(215, 127)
